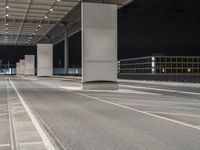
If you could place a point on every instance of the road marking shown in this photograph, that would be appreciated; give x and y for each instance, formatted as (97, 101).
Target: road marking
(108, 91)
(148, 105)
(136, 110)
(176, 114)
(156, 89)
(42, 134)
(20, 111)
(31, 143)
(4, 145)
(3, 114)
(153, 101)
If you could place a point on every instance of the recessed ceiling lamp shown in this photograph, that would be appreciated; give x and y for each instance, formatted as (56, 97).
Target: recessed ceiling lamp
(45, 17)
(58, 0)
(51, 9)
(39, 25)
(6, 15)
(36, 30)
(6, 24)
(7, 7)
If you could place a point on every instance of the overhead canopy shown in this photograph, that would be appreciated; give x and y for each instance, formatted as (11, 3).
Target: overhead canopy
(27, 22)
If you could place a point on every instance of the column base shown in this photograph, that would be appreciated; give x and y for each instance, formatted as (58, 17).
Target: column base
(100, 85)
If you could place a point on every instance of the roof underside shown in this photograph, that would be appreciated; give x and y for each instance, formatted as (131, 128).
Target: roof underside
(26, 22)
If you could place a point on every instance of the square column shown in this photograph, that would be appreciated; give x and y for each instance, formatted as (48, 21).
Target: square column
(99, 46)
(30, 65)
(22, 67)
(17, 68)
(44, 60)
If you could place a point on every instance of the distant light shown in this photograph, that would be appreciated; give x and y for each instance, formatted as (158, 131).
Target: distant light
(189, 70)
(45, 17)
(6, 32)
(36, 30)
(51, 9)
(7, 15)
(7, 7)
(39, 25)
(6, 24)
(58, 0)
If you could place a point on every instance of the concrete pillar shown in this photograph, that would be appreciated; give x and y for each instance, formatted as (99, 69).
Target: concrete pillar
(99, 46)
(44, 60)
(66, 49)
(22, 67)
(30, 65)
(17, 68)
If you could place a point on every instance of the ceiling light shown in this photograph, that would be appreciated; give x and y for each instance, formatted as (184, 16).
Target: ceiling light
(6, 32)
(39, 25)
(36, 30)
(6, 24)
(45, 17)
(33, 33)
(51, 9)
(58, 0)
(7, 7)
(6, 28)
(7, 15)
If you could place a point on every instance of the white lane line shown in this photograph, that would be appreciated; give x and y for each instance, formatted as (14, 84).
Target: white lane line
(3, 114)
(156, 89)
(20, 111)
(176, 114)
(137, 110)
(42, 134)
(31, 143)
(4, 145)
(160, 106)
(109, 91)
(153, 101)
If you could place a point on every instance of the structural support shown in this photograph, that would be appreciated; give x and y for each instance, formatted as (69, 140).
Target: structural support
(30, 65)
(66, 50)
(17, 68)
(99, 46)
(44, 60)
(22, 67)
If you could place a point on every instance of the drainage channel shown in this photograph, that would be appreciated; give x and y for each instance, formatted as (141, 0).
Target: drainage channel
(23, 133)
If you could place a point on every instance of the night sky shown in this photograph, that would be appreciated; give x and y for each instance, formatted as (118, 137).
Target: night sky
(145, 27)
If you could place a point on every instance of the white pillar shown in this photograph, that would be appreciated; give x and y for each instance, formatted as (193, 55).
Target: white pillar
(44, 60)
(66, 49)
(30, 65)
(99, 46)
(22, 67)
(17, 68)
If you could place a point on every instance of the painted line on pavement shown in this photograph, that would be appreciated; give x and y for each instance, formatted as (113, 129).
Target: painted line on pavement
(156, 89)
(176, 114)
(4, 145)
(3, 114)
(136, 110)
(42, 134)
(153, 101)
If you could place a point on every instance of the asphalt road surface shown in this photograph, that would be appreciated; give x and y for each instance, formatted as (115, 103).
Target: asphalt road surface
(140, 116)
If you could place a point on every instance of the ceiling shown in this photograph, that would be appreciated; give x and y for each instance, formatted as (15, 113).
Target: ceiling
(26, 22)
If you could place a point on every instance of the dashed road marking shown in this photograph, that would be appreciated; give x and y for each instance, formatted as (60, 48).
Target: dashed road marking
(176, 114)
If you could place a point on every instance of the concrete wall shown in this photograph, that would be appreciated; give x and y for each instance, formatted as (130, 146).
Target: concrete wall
(44, 59)
(22, 67)
(99, 42)
(29, 65)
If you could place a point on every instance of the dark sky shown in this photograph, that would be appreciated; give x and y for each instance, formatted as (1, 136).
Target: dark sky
(145, 27)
